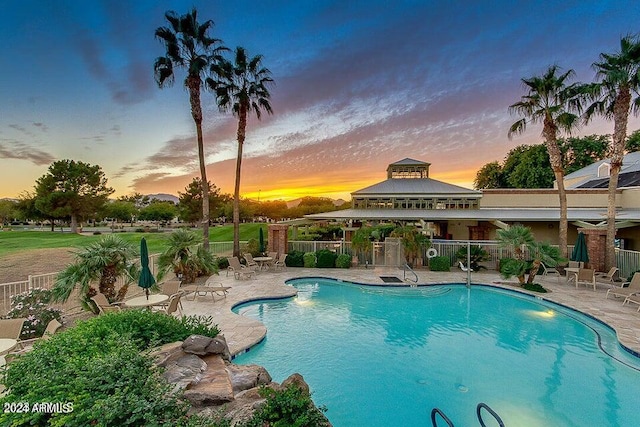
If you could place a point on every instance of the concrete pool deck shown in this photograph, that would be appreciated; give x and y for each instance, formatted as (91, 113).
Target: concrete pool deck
(242, 332)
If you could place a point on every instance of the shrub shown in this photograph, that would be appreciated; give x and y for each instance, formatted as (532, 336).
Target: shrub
(186, 257)
(252, 246)
(290, 406)
(309, 259)
(222, 263)
(326, 258)
(32, 305)
(440, 263)
(534, 287)
(295, 259)
(343, 261)
(107, 380)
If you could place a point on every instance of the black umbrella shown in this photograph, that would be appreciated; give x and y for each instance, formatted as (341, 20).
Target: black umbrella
(146, 279)
(580, 252)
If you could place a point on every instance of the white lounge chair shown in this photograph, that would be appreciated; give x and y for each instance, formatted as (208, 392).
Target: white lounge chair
(632, 299)
(280, 263)
(633, 288)
(238, 269)
(462, 267)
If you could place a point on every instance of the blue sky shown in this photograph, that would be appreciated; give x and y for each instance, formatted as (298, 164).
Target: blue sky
(359, 84)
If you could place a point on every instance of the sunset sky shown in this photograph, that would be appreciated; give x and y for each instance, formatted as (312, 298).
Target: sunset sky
(359, 84)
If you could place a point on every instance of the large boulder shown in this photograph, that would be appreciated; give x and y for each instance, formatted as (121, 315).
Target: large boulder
(245, 377)
(201, 345)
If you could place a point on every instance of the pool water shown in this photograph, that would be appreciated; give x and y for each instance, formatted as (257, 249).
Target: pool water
(387, 356)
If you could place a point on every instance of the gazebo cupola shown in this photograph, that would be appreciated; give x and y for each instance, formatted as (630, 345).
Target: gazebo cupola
(408, 168)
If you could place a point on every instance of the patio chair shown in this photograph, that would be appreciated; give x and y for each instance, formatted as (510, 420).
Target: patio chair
(12, 328)
(462, 266)
(238, 269)
(251, 263)
(632, 299)
(587, 277)
(622, 291)
(171, 287)
(609, 277)
(173, 306)
(103, 304)
(281, 261)
(274, 259)
(576, 264)
(51, 329)
(203, 290)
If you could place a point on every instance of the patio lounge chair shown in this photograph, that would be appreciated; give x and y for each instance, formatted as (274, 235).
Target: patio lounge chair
(238, 269)
(274, 259)
(462, 266)
(12, 328)
(633, 288)
(281, 261)
(103, 304)
(549, 271)
(587, 277)
(203, 290)
(609, 277)
(632, 299)
(251, 263)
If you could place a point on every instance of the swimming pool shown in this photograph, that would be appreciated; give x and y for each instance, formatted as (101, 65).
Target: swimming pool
(382, 356)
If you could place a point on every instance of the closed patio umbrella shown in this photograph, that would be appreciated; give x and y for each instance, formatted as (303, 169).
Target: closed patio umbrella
(146, 279)
(580, 252)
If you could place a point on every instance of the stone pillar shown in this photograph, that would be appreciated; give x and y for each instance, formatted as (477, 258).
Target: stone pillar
(278, 239)
(597, 246)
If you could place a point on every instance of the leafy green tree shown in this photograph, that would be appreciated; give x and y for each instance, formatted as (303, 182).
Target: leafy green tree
(489, 176)
(581, 152)
(274, 209)
(531, 170)
(633, 142)
(105, 261)
(158, 211)
(72, 189)
(551, 101)
(241, 86)
(120, 210)
(615, 96)
(190, 204)
(189, 46)
(8, 211)
(140, 201)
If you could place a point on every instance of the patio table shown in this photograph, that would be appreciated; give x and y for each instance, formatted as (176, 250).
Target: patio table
(142, 301)
(7, 344)
(263, 261)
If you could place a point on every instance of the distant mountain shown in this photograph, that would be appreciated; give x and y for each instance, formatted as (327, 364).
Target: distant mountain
(164, 197)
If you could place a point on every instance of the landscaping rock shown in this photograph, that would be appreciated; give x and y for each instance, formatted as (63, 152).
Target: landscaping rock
(213, 386)
(168, 353)
(247, 377)
(184, 370)
(218, 345)
(298, 381)
(201, 345)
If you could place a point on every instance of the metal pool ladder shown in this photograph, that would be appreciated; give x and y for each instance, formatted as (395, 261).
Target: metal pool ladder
(481, 405)
(414, 280)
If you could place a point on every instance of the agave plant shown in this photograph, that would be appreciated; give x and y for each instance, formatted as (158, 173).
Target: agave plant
(103, 261)
(186, 257)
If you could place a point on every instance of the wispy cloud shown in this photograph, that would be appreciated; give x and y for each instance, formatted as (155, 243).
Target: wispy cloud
(20, 151)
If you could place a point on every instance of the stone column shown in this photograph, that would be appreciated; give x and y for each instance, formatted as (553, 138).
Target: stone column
(597, 246)
(278, 239)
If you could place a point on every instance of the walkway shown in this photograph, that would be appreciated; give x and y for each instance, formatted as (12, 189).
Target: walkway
(242, 332)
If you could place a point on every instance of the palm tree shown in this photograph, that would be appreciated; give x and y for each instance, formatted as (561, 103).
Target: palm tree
(241, 86)
(549, 100)
(618, 78)
(104, 261)
(518, 238)
(186, 257)
(188, 46)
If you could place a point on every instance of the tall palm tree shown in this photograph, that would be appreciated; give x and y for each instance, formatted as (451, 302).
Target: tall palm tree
(188, 46)
(551, 101)
(615, 95)
(241, 86)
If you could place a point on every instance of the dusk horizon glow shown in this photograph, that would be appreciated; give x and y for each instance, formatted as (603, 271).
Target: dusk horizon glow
(358, 85)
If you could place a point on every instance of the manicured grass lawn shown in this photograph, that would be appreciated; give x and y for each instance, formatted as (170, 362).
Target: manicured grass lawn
(22, 240)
